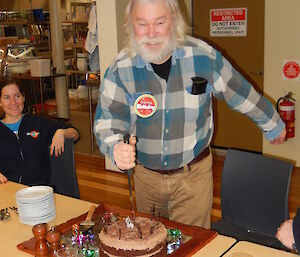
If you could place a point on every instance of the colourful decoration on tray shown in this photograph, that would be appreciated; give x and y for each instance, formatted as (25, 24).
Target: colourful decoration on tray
(75, 230)
(174, 240)
(83, 239)
(86, 252)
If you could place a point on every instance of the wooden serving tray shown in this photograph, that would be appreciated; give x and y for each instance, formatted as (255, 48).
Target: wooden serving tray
(199, 237)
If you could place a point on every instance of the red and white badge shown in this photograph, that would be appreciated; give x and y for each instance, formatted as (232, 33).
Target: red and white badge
(145, 106)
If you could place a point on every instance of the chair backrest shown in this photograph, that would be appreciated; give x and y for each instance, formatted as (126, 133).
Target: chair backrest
(63, 172)
(254, 191)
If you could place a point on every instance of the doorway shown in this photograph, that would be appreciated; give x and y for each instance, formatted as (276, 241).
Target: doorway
(232, 129)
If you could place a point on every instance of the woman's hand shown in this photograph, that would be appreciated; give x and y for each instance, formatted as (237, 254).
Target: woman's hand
(285, 233)
(58, 143)
(3, 179)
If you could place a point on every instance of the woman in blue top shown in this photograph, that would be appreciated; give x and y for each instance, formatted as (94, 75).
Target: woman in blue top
(25, 139)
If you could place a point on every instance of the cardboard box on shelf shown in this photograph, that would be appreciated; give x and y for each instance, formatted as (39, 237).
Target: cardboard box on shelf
(39, 67)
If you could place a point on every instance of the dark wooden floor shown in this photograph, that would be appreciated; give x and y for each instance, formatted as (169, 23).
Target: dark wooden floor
(96, 184)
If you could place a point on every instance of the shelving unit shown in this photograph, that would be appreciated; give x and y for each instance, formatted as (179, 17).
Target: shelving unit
(25, 32)
(75, 31)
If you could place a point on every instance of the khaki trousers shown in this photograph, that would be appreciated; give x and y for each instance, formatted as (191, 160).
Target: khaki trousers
(184, 197)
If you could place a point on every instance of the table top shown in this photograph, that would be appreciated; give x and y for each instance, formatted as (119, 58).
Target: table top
(247, 249)
(14, 232)
(216, 247)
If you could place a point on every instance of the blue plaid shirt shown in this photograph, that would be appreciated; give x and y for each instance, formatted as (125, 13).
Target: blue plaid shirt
(182, 125)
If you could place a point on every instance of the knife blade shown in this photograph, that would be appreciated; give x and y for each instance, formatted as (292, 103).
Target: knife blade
(129, 174)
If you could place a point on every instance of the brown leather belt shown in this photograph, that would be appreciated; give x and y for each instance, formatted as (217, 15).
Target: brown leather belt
(198, 158)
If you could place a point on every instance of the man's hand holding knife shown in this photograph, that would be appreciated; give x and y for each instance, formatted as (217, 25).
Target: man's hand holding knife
(124, 154)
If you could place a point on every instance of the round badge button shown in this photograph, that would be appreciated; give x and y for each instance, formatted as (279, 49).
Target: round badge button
(145, 106)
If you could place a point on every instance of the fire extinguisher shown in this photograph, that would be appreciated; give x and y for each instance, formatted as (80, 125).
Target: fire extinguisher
(286, 110)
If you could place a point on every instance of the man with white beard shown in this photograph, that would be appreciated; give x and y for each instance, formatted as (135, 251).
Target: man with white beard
(147, 92)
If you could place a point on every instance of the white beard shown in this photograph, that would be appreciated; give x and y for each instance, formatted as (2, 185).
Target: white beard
(152, 56)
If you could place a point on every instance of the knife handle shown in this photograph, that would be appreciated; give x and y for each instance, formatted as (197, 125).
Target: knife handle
(126, 141)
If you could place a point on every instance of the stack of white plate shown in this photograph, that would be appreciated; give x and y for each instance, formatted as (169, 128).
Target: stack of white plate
(36, 205)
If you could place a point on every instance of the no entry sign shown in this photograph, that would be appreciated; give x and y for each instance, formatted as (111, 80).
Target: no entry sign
(229, 22)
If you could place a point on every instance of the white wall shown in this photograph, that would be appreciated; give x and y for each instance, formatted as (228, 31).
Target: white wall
(186, 6)
(107, 31)
(110, 16)
(120, 10)
(282, 42)
(107, 20)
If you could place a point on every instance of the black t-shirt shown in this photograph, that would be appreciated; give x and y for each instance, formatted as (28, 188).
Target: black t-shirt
(163, 69)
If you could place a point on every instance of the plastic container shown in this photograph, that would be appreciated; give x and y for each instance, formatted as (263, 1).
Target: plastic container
(16, 68)
(73, 93)
(39, 67)
(82, 61)
(82, 91)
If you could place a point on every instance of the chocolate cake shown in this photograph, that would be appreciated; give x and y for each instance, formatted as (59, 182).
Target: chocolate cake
(143, 237)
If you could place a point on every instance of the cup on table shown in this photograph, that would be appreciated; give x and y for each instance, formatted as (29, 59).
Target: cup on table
(67, 252)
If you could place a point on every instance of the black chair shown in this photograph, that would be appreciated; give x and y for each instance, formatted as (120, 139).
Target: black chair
(63, 172)
(254, 197)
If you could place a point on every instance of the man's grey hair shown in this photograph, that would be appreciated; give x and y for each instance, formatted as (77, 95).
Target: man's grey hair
(179, 26)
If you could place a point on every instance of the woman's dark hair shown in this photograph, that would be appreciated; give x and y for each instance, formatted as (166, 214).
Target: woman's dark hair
(8, 81)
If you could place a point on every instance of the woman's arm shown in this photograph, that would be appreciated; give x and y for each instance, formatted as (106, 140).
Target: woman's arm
(285, 234)
(58, 140)
(71, 133)
(3, 179)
